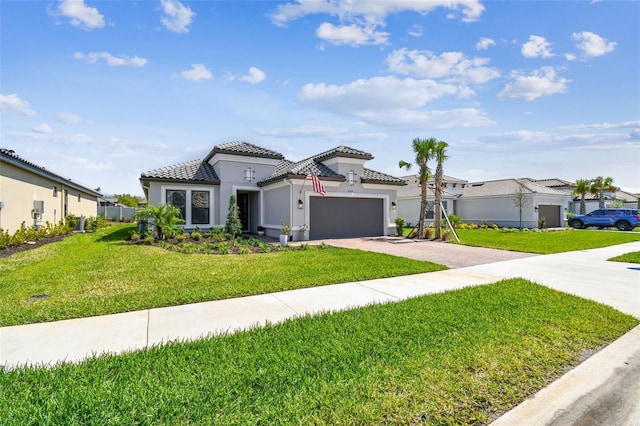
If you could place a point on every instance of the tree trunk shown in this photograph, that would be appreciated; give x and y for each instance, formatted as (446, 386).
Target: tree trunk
(583, 207)
(437, 223)
(423, 207)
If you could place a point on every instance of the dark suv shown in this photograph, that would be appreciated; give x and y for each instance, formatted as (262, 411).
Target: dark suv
(623, 219)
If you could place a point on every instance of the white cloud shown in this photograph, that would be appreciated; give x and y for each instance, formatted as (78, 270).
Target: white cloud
(389, 101)
(255, 76)
(542, 82)
(112, 61)
(43, 128)
(196, 73)
(354, 34)
(484, 43)
(537, 47)
(359, 19)
(415, 31)
(12, 103)
(451, 66)
(377, 93)
(79, 14)
(68, 117)
(177, 17)
(570, 56)
(592, 45)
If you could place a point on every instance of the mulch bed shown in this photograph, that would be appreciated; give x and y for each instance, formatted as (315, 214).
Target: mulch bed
(10, 250)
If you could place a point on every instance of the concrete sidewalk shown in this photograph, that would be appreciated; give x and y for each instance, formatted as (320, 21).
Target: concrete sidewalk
(584, 273)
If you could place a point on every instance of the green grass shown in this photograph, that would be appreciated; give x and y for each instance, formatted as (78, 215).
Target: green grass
(95, 274)
(544, 242)
(460, 357)
(633, 257)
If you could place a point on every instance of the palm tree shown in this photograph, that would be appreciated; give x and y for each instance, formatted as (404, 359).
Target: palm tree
(440, 152)
(423, 148)
(599, 186)
(581, 189)
(166, 218)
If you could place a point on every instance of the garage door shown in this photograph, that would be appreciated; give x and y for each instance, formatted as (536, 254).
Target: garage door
(551, 215)
(334, 217)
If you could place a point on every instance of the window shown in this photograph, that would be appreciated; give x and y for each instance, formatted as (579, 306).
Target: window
(200, 207)
(55, 191)
(178, 198)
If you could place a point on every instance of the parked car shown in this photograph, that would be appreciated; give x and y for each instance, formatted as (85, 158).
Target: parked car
(623, 219)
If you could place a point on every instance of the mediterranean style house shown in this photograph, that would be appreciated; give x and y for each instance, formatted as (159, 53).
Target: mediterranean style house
(271, 190)
(34, 195)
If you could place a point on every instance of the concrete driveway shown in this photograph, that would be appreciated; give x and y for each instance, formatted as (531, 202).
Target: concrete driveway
(451, 255)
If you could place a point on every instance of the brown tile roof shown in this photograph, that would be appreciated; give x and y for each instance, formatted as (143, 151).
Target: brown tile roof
(373, 176)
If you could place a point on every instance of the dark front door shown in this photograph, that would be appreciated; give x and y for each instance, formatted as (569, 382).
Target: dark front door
(243, 206)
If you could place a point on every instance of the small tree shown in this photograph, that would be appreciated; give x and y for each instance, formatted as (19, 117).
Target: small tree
(599, 186)
(423, 149)
(233, 226)
(166, 218)
(440, 152)
(521, 199)
(581, 189)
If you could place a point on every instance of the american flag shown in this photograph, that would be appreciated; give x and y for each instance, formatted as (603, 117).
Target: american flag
(317, 185)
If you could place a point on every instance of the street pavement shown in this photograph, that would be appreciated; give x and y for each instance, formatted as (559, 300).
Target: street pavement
(605, 389)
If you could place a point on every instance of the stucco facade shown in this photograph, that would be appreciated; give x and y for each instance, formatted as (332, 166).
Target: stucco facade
(25, 187)
(270, 189)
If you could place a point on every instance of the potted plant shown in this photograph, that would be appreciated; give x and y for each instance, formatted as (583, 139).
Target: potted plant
(261, 231)
(284, 232)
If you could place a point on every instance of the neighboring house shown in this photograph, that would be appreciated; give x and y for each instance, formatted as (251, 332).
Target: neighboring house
(270, 189)
(592, 202)
(409, 197)
(494, 202)
(34, 195)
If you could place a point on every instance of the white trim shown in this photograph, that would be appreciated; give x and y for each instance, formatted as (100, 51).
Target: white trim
(239, 158)
(386, 205)
(188, 189)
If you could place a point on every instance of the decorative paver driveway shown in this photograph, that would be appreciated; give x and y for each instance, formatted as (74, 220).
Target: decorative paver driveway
(449, 254)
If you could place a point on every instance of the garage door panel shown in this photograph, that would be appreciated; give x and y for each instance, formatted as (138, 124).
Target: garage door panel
(335, 217)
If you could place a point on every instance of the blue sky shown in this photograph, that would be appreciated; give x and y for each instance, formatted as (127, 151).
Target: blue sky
(101, 91)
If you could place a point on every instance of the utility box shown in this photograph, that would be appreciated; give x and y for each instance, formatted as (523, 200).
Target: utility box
(38, 207)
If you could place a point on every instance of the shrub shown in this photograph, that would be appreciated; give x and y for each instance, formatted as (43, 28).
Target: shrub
(134, 236)
(495, 226)
(455, 220)
(196, 236)
(149, 239)
(166, 218)
(400, 222)
(180, 238)
(5, 238)
(233, 225)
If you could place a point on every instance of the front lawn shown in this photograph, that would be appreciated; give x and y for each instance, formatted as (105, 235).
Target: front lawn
(633, 257)
(99, 273)
(461, 357)
(544, 242)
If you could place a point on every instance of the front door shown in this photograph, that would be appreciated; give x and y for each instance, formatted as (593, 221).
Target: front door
(243, 206)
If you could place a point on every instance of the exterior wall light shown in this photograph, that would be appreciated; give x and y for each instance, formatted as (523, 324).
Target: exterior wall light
(351, 177)
(536, 208)
(394, 206)
(300, 204)
(249, 174)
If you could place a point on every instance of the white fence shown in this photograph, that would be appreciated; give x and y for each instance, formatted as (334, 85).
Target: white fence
(119, 212)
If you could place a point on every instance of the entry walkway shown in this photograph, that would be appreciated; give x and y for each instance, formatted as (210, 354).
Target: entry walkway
(584, 273)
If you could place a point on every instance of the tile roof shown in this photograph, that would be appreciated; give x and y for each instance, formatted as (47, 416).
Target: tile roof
(244, 149)
(9, 155)
(373, 176)
(194, 171)
(343, 151)
(287, 169)
(553, 183)
(627, 197)
(506, 187)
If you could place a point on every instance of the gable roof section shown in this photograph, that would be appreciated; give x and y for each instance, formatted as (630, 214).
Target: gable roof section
(198, 171)
(553, 183)
(373, 176)
(244, 149)
(345, 152)
(289, 169)
(503, 187)
(9, 156)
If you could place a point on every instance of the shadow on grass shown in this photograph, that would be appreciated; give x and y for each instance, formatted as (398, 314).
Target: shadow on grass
(121, 234)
